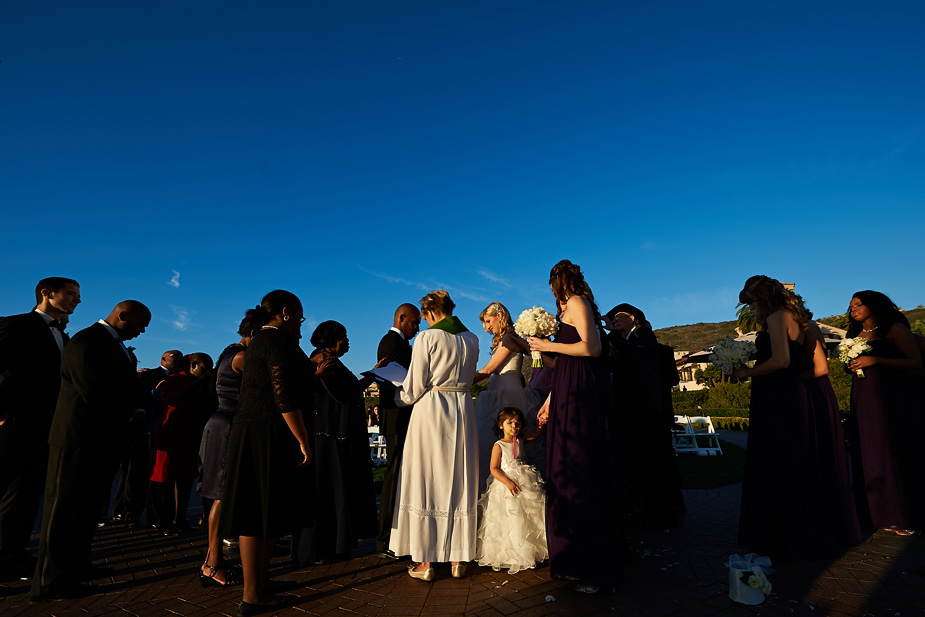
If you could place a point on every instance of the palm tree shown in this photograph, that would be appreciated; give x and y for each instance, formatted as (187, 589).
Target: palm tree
(746, 320)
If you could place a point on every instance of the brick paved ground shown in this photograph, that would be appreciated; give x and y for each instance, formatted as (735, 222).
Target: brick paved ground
(677, 572)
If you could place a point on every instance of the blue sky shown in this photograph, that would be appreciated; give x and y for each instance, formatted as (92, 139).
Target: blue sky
(361, 154)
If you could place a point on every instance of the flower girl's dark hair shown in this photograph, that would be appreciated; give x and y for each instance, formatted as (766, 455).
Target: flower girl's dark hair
(507, 413)
(884, 309)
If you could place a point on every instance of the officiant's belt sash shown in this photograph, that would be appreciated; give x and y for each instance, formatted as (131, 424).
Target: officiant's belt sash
(450, 388)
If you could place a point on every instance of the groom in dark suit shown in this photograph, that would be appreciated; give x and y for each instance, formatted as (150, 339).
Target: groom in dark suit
(99, 394)
(30, 375)
(395, 346)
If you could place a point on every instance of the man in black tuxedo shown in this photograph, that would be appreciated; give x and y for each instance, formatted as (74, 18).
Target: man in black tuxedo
(134, 466)
(30, 365)
(99, 394)
(395, 346)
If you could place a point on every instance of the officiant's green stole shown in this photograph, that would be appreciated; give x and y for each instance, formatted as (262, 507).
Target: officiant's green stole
(450, 324)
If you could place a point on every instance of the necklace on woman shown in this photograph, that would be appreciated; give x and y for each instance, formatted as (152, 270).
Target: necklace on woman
(276, 328)
(871, 330)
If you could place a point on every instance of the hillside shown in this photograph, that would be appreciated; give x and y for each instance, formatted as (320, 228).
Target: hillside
(699, 336)
(695, 336)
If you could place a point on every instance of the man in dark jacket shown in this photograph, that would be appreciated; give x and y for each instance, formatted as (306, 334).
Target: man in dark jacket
(30, 375)
(99, 394)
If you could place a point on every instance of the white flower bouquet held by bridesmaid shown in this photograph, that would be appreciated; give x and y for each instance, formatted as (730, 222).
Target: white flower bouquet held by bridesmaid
(536, 322)
(730, 354)
(851, 348)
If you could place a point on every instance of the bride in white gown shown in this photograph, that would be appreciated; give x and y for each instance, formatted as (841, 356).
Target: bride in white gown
(506, 389)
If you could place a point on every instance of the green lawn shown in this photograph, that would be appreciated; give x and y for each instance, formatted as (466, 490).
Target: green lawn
(712, 471)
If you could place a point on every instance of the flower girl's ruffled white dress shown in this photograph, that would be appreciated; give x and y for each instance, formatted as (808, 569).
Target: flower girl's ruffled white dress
(512, 533)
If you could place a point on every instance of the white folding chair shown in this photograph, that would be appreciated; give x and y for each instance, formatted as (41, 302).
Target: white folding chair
(707, 434)
(683, 438)
(377, 448)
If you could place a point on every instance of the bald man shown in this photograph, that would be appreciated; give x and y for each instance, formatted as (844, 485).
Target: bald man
(99, 394)
(395, 346)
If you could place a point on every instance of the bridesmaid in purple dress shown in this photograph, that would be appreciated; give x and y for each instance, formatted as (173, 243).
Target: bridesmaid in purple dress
(582, 527)
(829, 442)
(782, 511)
(887, 416)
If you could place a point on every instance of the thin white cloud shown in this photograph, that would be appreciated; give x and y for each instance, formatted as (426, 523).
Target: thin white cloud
(649, 245)
(494, 278)
(175, 279)
(182, 321)
(429, 286)
(395, 279)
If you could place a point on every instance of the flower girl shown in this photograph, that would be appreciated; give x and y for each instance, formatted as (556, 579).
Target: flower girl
(512, 533)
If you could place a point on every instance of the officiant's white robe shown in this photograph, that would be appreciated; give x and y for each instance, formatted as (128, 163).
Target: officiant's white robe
(435, 512)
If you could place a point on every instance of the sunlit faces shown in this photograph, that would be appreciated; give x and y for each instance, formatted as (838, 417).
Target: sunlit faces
(65, 299)
(623, 323)
(511, 427)
(169, 359)
(134, 323)
(198, 368)
(857, 310)
(492, 323)
(410, 324)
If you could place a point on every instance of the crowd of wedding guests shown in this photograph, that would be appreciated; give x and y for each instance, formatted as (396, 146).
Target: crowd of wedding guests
(565, 464)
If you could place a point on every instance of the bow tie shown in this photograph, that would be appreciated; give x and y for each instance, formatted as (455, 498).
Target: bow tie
(60, 325)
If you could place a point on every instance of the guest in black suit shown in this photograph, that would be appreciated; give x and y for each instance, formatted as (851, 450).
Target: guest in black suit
(30, 365)
(99, 393)
(649, 463)
(395, 346)
(135, 463)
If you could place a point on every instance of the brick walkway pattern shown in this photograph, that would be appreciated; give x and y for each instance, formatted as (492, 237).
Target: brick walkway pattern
(677, 572)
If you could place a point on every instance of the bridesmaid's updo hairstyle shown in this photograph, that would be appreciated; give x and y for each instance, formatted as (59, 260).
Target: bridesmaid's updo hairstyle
(504, 324)
(273, 304)
(886, 312)
(507, 413)
(327, 334)
(566, 281)
(250, 323)
(771, 296)
(438, 302)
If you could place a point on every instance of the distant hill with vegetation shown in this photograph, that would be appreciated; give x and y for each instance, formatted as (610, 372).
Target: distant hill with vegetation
(695, 337)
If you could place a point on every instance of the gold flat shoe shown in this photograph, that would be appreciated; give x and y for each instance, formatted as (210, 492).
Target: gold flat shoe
(458, 571)
(426, 575)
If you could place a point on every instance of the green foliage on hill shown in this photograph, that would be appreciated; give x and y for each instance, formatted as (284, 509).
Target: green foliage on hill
(697, 336)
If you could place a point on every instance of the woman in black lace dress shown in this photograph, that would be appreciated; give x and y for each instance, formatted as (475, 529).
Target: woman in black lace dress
(268, 443)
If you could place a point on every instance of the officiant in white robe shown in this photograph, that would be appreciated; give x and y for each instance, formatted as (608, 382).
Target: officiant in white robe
(435, 513)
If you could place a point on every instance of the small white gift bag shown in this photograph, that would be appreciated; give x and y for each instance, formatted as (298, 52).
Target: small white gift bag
(748, 581)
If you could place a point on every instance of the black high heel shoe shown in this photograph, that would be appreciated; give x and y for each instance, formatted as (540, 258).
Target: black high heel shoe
(209, 580)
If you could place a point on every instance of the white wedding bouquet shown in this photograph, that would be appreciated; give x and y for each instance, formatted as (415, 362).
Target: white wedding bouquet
(730, 354)
(536, 322)
(851, 348)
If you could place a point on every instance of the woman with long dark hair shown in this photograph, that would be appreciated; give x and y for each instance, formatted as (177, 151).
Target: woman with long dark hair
(582, 527)
(886, 416)
(782, 512)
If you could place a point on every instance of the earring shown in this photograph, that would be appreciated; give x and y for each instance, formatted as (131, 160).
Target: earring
(285, 317)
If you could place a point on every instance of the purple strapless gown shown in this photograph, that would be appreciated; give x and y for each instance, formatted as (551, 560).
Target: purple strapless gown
(887, 426)
(832, 462)
(782, 513)
(582, 517)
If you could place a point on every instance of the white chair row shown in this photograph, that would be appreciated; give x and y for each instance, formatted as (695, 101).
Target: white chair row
(702, 441)
(377, 446)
